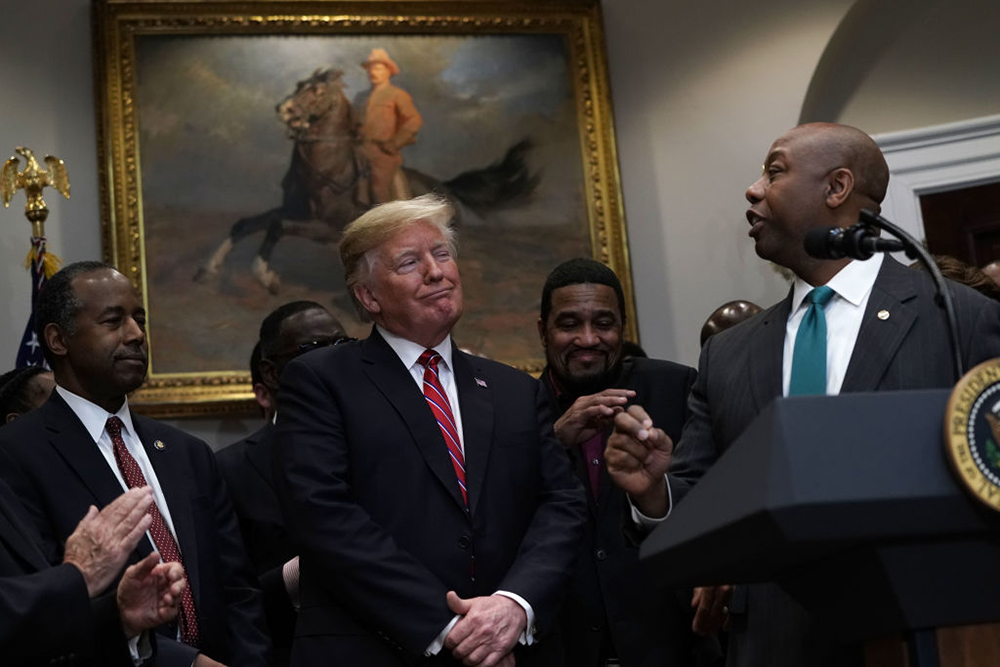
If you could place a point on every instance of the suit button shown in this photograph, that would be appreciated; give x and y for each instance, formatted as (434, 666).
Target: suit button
(464, 542)
(601, 554)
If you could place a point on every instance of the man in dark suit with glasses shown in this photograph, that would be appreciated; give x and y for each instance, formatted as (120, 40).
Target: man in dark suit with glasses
(289, 331)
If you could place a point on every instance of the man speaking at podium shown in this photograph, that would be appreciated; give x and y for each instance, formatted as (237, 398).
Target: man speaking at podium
(845, 326)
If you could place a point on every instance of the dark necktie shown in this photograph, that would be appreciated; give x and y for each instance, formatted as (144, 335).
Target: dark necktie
(162, 537)
(809, 356)
(441, 407)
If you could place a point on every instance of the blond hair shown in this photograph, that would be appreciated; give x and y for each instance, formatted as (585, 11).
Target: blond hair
(363, 237)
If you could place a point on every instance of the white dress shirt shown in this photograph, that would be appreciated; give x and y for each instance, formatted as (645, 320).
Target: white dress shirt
(94, 419)
(852, 286)
(409, 353)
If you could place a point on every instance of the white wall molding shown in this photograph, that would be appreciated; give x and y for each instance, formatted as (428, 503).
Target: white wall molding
(934, 159)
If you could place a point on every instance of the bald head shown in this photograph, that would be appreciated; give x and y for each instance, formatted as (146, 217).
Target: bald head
(728, 315)
(815, 175)
(837, 146)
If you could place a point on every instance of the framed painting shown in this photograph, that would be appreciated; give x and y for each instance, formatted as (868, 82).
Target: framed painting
(237, 139)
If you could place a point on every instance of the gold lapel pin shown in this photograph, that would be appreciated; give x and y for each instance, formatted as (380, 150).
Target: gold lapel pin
(159, 445)
(883, 314)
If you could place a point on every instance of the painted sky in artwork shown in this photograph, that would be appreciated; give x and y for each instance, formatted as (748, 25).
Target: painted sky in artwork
(210, 138)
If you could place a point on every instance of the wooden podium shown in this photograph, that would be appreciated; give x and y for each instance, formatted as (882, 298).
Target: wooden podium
(847, 498)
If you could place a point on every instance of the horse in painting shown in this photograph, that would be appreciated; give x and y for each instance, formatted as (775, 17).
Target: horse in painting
(322, 188)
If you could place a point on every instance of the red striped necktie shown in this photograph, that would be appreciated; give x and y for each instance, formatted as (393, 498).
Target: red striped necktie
(162, 537)
(441, 407)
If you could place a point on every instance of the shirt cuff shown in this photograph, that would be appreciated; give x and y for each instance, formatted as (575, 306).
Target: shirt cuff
(290, 576)
(528, 636)
(140, 648)
(438, 642)
(648, 523)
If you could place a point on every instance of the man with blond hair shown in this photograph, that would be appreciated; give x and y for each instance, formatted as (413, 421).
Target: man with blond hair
(436, 513)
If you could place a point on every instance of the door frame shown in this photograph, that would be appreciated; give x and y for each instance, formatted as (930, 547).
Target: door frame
(936, 159)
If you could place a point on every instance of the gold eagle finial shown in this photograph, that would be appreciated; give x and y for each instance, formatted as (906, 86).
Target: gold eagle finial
(33, 179)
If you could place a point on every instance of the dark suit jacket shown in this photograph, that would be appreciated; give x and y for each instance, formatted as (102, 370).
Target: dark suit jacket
(246, 467)
(53, 465)
(369, 494)
(45, 612)
(649, 626)
(740, 373)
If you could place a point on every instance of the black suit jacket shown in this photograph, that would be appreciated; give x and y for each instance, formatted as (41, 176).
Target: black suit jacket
(649, 626)
(370, 496)
(56, 469)
(740, 373)
(45, 612)
(246, 467)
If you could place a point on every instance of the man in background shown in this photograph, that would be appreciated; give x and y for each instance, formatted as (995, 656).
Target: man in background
(288, 331)
(728, 315)
(85, 446)
(612, 615)
(436, 514)
(846, 326)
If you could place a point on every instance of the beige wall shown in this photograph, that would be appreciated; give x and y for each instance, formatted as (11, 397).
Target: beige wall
(904, 64)
(699, 92)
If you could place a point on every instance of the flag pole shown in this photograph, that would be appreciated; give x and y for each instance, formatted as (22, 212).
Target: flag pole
(42, 264)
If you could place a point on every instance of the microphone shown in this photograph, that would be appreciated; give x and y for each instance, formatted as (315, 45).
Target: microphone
(857, 242)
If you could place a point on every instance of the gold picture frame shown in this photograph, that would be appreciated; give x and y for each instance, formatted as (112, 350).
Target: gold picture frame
(189, 141)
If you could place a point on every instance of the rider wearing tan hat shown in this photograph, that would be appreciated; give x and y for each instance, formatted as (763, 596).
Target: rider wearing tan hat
(380, 56)
(388, 122)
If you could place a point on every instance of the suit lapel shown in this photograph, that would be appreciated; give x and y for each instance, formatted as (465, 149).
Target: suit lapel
(767, 352)
(174, 477)
(386, 372)
(476, 402)
(69, 437)
(879, 339)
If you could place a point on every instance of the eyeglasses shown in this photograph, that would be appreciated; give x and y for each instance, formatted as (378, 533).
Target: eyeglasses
(312, 345)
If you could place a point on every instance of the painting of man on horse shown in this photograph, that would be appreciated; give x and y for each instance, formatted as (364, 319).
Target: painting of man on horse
(340, 167)
(257, 150)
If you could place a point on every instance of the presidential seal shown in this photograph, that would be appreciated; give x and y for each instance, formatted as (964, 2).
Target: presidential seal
(972, 432)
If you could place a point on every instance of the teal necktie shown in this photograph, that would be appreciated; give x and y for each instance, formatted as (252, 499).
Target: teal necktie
(809, 356)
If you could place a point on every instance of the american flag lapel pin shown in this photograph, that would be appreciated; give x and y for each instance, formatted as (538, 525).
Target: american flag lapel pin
(481, 383)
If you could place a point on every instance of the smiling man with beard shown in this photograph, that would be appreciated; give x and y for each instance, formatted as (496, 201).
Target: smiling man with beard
(612, 613)
(84, 447)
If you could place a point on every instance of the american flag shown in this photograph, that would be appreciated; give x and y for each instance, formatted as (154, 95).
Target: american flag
(42, 266)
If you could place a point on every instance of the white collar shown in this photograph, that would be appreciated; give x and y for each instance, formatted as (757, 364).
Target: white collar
(93, 416)
(852, 283)
(408, 351)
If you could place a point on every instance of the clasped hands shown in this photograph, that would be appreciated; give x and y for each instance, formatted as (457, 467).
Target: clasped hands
(488, 630)
(590, 415)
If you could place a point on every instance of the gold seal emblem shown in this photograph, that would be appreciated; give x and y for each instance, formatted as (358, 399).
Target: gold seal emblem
(972, 432)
